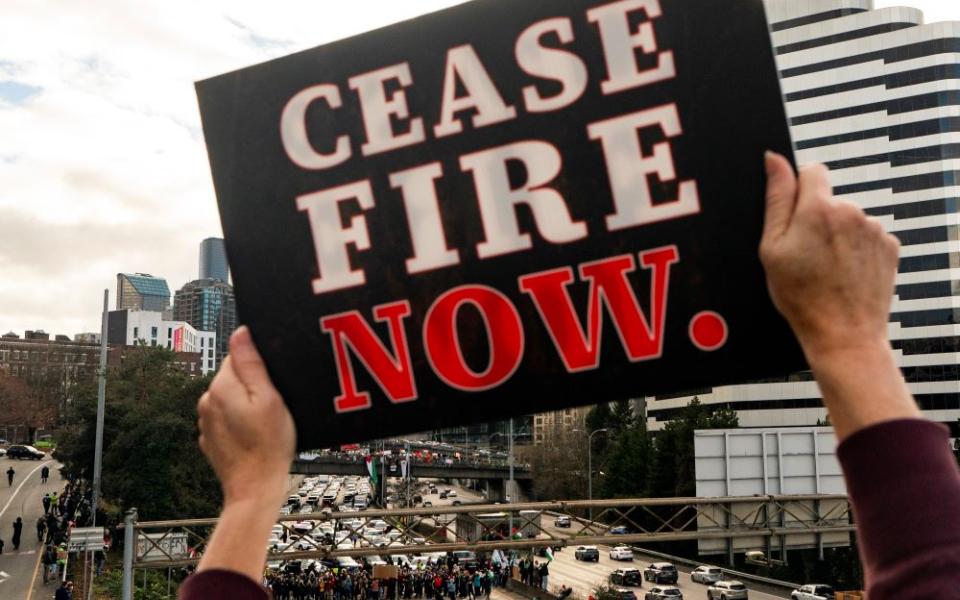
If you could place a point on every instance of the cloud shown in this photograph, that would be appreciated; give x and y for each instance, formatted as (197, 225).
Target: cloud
(101, 157)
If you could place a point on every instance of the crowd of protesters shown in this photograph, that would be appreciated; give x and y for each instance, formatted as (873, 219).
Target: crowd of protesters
(446, 580)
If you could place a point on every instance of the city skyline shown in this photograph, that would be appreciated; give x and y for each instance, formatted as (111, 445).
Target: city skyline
(103, 165)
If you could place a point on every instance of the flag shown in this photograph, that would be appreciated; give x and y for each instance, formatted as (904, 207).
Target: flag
(372, 469)
(403, 467)
(549, 554)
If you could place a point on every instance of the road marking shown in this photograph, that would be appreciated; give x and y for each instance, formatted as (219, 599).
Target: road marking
(33, 580)
(25, 480)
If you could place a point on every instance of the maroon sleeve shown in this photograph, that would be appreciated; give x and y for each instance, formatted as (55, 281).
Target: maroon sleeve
(904, 484)
(216, 584)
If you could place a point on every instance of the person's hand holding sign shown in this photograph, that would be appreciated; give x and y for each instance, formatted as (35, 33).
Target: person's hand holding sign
(831, 273)
(248, 435)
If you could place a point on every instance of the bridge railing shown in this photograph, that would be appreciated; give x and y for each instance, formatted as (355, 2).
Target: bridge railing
(488, 527)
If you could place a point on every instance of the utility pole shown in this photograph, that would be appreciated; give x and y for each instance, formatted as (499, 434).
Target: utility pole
(510, 481)
(98, 444)
(129, 539)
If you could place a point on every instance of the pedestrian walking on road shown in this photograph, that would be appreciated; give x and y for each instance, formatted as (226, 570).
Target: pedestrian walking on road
(44, 474)
(41, 528)
(46, 503)
(10, 474)
(49, 560)
(17, 530)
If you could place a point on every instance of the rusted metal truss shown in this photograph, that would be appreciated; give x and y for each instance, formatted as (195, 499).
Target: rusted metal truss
(482, 528)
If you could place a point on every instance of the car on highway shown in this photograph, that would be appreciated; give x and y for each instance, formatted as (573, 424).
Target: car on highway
(562, 521)
(619, 530)
(588, 553)
(621, 552)
(452, 494)
(727, 590)
(3, 451)
(628, 577)
(443, 495)
(661, 572)
(427, 504)
(812, 591)
(664, 592)
(706, 574)
(24, 453)
(625, 594)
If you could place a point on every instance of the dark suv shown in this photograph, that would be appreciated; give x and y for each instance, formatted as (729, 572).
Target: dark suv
(587, 553)
(628, 577)
(661, 572)
(24, 452)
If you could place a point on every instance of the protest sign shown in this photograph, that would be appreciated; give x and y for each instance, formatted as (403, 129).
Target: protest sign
(503, 208)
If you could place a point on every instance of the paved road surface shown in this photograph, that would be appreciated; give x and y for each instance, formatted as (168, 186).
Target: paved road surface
(584, 576)
(17, 568)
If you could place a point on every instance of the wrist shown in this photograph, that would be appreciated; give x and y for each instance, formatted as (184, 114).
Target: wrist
(861, 385)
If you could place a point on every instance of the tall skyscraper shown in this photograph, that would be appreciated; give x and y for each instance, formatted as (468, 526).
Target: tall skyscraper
(208, 305)
(874, 95)
(139, 291)
(213, 260)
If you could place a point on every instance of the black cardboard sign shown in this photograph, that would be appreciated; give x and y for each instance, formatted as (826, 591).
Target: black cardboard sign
(503, 208)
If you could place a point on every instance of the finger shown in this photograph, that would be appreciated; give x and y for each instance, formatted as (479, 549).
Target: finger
(813, 186)
(246, 361)
(781, 195)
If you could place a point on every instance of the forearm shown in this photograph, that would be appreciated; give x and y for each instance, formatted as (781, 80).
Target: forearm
(861, 386)
(239, 542)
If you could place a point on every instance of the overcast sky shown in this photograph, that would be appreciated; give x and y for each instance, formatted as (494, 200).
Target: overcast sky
(102, 163)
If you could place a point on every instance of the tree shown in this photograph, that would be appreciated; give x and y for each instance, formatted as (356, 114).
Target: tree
(628, 464)
(32, 403)
(621, 417)
(673, 469)
(151, 458)
(559, 470)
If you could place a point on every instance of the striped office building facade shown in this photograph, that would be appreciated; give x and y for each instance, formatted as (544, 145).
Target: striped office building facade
(874, 95)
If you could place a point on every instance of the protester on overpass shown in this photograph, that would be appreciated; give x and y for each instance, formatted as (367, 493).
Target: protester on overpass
(830, 273)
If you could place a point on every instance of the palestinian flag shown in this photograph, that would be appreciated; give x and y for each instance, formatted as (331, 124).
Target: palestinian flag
(372, 469)
(549, 554)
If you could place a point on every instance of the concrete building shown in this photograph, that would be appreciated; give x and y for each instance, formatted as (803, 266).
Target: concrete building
(208, 305)
(141, 327)
(874, 95)
(139, 291)
(548, 427)
(213, 260)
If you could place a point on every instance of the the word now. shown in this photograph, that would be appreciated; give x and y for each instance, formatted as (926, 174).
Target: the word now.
(640, 333)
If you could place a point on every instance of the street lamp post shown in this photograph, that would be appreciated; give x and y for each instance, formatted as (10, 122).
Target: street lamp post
(590, 465)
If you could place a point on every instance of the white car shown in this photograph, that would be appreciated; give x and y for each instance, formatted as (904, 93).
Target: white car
(727, 590)
(452, 494)
(706, 574)
(621, 553)
(663, 592)
(812, 591)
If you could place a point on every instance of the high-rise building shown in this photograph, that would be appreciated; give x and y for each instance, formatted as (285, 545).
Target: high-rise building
(875, 96)
(139, 291)
(213, 260)
(208, 305)
(151, 328)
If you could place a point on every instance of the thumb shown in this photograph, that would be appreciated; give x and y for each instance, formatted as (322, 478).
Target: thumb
(246, 361)
(781, 195)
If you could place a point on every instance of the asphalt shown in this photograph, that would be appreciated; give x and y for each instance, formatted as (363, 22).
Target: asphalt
(23, 499)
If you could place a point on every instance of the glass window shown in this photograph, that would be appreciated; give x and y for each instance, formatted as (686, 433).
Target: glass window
(136, 333)
(153, 332)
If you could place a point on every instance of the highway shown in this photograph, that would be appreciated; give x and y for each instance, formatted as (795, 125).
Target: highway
(23, 499)
(583, 577)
